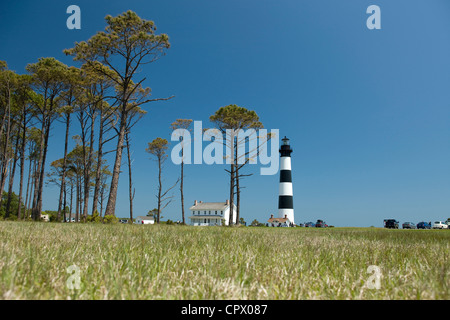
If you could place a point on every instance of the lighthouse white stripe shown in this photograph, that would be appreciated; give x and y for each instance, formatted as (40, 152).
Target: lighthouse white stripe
(285, 163)
(286, 189)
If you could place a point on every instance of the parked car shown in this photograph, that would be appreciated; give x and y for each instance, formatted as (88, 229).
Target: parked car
(408, 225)
(321, 224)
(391, 224)
(440, 225)
(123, 221)
(423, 225)
(309, 225)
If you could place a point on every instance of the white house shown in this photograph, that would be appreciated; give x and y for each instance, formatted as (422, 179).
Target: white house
(211, 213)
(145, 220)
(279, 222)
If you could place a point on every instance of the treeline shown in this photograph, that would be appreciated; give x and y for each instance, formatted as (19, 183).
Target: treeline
(102, 95)
(102, 99)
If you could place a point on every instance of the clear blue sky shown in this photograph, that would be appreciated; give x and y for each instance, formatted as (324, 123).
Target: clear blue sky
(367, 111)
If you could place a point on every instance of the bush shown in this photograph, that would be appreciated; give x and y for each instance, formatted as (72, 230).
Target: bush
(11, 218)
(95, 217)
(170, 222)
(110, 219)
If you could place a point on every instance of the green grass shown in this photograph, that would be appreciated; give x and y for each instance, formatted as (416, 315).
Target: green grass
(182, 262)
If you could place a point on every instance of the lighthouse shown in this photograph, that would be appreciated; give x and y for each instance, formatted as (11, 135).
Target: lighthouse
(285, 199)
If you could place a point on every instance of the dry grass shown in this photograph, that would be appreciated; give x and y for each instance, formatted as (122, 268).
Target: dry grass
(175, 262)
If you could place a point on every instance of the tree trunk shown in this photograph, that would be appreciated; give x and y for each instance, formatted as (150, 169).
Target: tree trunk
(65, 204)
(35, 212)
(71, 202)
(31, 172)
(28, 186)
(236, 178)
(159, 189)
(4, 153)
(77, 208)
(5, 161)
(4, 173)
(111, 205)
(42, 172)
(99, 163)
(63, 177)
(181, 188)
(230, 222)
(130, 178)
(87, 171)
(22, 167)
(102, 198)
(238, 197)
(11, 176)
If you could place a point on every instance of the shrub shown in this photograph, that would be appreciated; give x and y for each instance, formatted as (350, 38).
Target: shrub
(11, 218)
(95, 217)
(110, 219)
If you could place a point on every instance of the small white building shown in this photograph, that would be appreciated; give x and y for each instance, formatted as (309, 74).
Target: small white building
(211, 213)
(279, 222)
(145, 220)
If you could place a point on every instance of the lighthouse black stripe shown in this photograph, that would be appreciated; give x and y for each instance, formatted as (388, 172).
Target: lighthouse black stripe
(285, 176)
(285, 202)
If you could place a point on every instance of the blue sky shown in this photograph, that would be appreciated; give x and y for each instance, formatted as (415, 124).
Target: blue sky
(367, 111)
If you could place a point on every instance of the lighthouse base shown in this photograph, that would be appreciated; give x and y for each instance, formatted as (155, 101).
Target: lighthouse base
(286, 212)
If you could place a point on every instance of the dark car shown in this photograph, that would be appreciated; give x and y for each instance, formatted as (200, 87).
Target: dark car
(408, 225)
(309, 225)
(391, 224)
(321, 224)
(423, 225)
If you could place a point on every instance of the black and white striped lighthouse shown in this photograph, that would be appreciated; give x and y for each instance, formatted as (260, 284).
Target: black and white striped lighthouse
(285, 199)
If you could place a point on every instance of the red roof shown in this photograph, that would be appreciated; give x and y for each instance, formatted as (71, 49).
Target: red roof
(277, 220)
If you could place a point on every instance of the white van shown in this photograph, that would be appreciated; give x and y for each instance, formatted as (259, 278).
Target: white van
(440, 225)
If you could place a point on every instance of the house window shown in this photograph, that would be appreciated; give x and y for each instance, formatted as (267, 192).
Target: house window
(216, 212)
(221, 212)
(209, 212)
(204, 212)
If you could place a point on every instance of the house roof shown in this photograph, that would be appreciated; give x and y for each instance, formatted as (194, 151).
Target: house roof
(209, 206)
(278, 220)
(145, 218)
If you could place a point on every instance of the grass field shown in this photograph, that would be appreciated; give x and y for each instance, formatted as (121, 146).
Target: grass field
(182, 262)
